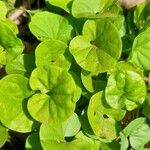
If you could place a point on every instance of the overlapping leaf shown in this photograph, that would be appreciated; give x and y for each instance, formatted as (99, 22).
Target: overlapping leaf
(46, 25)
(55, 102)
(122, 89)
(10, 45)
(95, 51)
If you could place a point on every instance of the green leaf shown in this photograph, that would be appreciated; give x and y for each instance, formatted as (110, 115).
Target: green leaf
(146, 106)
(10, 45)
(46, 25)
(124, 141)
(56, 100)
(65, 4)
(141, 15)
(23, 64)
(88, 8)
(119, 22)
(3, 10)
(11, 25)
(4, 135)
(122, 89)
(83, 142)
(102, 118)
(71, 126)
(78, 90)
(12, 107)
(92, 83)
(52, 52)
(95, 51)
(52, 136)
(33, 142)
(140, 54)
(21, 81)
(138, 132)
(110, 146)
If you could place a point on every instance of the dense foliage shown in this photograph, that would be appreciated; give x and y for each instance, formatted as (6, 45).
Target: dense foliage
(75, 75)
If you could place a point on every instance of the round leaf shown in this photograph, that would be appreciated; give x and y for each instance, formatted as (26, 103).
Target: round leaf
(52, 136)
(122, 88)
(95, 51)
(21, 81)
(12, 113)
(140, 54)
(52, 52)
(46, 25)
(88, 8)
(57, 101)
(102, 118)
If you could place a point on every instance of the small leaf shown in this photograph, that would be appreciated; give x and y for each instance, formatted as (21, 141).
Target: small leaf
(33, 142)
(12, 107)
(88, 8)
(138, 132)
(92, 84)
(140, 54)
(46, 25)
(101, 118)
(53, 136)
(83, 142)
(65, 4)
(95, 51)
(52, 52)
(146, 106)
(124, 142)
(122, 89)
(4, 135)
(71, 126)
(21, 81)
(10, 45)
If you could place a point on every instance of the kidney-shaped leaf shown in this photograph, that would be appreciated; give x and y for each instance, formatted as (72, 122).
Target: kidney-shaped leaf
(88, 8)
(21, 81)
(102, 118)
(12, 113)
(122, 88)
(95, 51)
(53, 136)
(46, 25)
(10, 45)
(140, 53)
(138, 132)
(52, 52)
(56, 100)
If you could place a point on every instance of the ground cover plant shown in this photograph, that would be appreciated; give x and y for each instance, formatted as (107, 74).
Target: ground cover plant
(74, 75)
